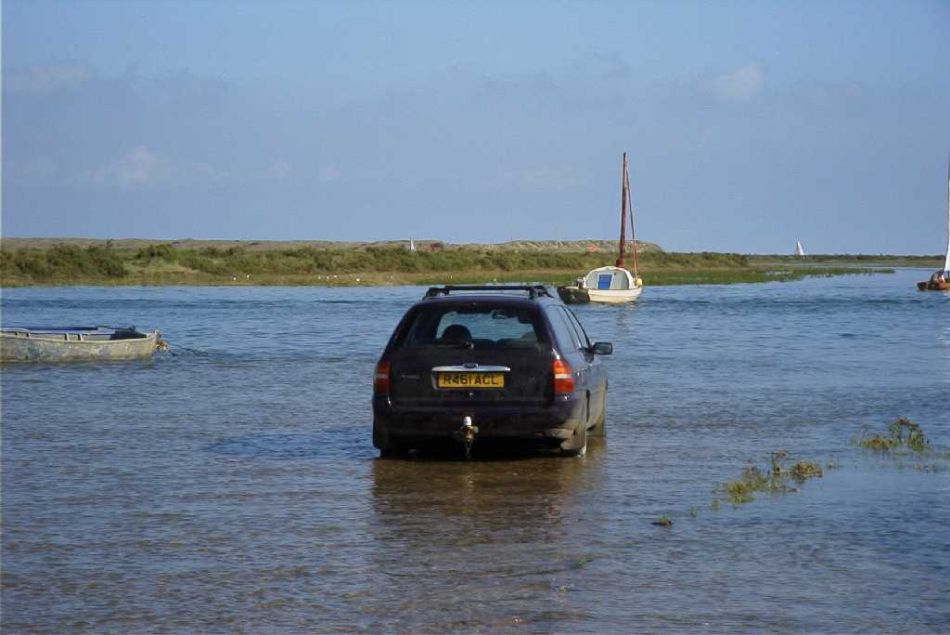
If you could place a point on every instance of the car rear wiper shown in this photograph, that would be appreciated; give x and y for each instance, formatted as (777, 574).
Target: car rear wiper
(457, 344)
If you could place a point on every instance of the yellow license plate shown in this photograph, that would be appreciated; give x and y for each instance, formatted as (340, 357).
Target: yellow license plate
(470, 380)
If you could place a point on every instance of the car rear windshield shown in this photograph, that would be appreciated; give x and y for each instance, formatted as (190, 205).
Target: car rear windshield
(475, 326)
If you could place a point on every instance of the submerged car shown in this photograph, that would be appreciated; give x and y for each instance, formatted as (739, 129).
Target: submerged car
(498, 362)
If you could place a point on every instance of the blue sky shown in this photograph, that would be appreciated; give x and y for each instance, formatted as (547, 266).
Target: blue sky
(750, 125)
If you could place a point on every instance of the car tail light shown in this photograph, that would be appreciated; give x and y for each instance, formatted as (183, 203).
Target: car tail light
(563, 379)
(381, 379)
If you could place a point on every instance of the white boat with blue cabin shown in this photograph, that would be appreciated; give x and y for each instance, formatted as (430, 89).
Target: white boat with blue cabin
(613, 284)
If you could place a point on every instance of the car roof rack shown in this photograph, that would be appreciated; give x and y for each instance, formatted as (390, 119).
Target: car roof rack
(534, 290)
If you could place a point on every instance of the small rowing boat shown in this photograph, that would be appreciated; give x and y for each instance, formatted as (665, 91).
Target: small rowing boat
(76, 343)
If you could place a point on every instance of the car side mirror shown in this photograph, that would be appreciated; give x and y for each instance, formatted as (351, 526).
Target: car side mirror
(602, 348)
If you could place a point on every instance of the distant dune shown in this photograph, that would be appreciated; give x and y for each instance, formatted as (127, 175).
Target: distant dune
(593, 246)
(27, 261)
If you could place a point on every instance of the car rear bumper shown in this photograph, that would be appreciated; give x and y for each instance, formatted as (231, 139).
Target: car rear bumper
(554, 423)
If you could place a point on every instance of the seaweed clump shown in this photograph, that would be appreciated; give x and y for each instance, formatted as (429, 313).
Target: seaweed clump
(901, 434)
(804, 470)
(776, 479)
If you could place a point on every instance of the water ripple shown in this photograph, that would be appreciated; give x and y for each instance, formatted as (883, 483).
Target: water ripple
(231, 486)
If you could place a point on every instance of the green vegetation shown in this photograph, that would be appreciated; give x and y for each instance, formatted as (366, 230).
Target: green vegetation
(903, 439)
(804, 470)
(901, 434)
(62, 262)
(581, 561)
(24, 262)
(776, 479)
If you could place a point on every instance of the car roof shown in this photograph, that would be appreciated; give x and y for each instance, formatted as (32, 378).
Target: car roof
(497, 294)
(485, 293)
(486, 298)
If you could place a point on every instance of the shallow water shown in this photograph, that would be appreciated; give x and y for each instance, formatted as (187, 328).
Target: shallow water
(231, 485)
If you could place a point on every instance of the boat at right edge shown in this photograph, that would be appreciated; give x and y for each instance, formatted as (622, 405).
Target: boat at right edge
(940, 280)
(612, 284)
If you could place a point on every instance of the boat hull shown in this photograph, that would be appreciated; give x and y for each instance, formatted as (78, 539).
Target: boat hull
(22, 345)
(614, 296)
(933, 286)
(607, 285)
(578, 295)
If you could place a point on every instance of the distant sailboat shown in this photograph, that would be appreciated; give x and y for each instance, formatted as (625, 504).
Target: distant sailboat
(940, 280)
(799, 250)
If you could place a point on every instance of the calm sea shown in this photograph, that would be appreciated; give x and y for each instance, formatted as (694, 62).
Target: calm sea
(231, 486)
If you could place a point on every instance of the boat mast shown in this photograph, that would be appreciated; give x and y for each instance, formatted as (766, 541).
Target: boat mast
(623, 210)
(946, 262)
(633, 227)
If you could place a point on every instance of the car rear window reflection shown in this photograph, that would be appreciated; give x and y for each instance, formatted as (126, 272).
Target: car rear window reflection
(478, 327)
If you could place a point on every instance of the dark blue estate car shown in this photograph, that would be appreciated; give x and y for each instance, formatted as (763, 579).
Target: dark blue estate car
(496, 362)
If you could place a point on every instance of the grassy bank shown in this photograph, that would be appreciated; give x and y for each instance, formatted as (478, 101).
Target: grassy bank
(155, 263)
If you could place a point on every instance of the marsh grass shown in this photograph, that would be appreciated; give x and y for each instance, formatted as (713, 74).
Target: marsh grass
(804, 470)
(168, 263)
(903, 438)
(902, 434)
(63, 262)
(773, 479)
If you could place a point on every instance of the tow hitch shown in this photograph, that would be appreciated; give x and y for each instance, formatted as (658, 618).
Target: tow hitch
(466, 433)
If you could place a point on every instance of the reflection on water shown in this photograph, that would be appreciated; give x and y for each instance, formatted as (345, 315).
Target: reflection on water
(475, 502)
(233, 486)
(945, 340)
(479, 543)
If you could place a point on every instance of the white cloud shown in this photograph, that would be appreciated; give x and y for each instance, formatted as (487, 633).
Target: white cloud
(44, 80)
(136, 168)
(328, 174)
(740, 85)
(141, 167)
(201, 173)
(280, 170)
(192, 92)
